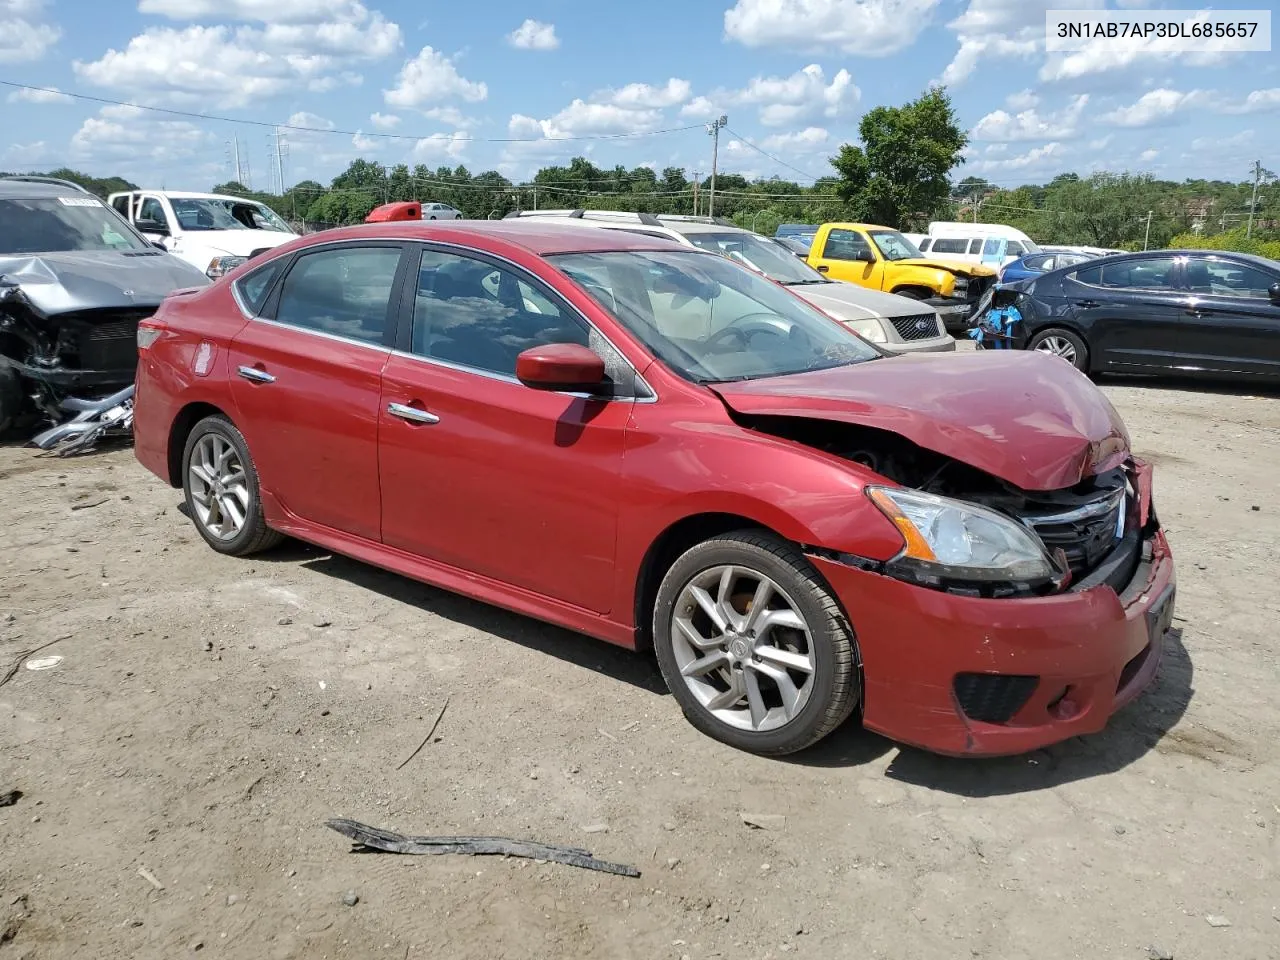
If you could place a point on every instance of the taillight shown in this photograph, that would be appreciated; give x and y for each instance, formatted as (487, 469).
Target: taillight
(148, 333)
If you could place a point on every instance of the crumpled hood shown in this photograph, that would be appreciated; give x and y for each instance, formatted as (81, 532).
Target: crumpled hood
(54, 283)
(852, 302)
(959, 267)
(233, 243)
(1030, 419)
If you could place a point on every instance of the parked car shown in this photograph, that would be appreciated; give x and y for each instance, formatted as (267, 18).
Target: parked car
(659, 447)
(799, 245)
(1074, 248)
(1184, 312)
(1032, 265)
(883, 259)
(211, 231)
(75, 279)
(895, 324)
(989, 243)
(803, 230)
(440, 211)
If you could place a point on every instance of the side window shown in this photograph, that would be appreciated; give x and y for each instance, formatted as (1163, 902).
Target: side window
(944, 245)
(121, 205)
(474, 314)
(844, 245)
(975, 246)
(152, 209)
(1223, 278)
(253, 289)
(923, 245)
(1014, 249)
(345, 292)
(1154, 274)
(1090, 275)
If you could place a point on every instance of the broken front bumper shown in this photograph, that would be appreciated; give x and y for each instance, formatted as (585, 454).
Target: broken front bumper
(955, 312)
(969, 676)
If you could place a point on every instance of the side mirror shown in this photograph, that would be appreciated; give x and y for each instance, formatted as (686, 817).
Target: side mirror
(865, 256)
(1274, 292)
(152, 226)
(159, 245)
(559, 366)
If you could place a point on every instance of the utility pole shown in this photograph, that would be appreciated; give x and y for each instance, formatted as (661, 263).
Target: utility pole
(714, 130)
(1253, 201)
(1147, 238)
(535, 196)
(697, 180)
(975, 204)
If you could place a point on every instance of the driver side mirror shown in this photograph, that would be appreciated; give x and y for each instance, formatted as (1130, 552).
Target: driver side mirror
(152, 226)
(1274, 292)
(865, 256)
(560, 366)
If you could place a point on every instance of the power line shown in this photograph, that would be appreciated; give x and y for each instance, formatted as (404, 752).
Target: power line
(345, 133)
(784, 163)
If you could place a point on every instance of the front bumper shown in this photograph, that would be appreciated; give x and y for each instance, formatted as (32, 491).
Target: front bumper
(954, 312)
(942, 344)
(1089, 652)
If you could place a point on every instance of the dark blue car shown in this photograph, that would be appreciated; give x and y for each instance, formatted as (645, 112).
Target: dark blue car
(1034, 264)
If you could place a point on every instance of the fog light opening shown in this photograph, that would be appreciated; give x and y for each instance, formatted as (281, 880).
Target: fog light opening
(1062, 707)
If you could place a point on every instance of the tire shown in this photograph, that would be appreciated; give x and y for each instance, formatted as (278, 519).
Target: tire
(11, 399)
(1062, 343)
(822, 697)
(432, 217)
(909, 293)
(211, 439)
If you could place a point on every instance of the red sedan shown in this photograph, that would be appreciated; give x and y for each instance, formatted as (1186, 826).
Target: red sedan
(658, 447)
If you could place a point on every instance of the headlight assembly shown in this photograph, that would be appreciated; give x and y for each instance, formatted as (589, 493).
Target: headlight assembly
(220, 266)
(871, 330)
(952, 540)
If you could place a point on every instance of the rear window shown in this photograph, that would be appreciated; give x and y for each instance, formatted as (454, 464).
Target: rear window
(945, 245)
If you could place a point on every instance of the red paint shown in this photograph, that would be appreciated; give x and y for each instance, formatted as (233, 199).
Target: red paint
(559, 366)
(393, 212)
(547, 504)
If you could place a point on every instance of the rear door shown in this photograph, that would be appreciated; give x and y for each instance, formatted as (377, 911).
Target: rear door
(1232, 326)
(1131, 311)
(307, 378)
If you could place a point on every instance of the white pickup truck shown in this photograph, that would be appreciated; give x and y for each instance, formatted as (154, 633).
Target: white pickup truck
(211, 231)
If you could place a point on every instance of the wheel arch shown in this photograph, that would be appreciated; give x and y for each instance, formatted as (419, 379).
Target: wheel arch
(180, 429)
(915, 291)
(1067, 325)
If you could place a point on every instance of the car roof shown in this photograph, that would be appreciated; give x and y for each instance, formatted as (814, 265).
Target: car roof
(851, 225)
(1251, 258)
(37, 190)
(191, 195)
(542, 237)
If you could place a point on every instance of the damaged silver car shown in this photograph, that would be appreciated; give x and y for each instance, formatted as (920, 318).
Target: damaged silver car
(75, 279)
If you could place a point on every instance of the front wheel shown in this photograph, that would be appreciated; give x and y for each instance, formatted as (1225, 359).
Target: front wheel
(1062, 343)
(221, 488)
(753, 646)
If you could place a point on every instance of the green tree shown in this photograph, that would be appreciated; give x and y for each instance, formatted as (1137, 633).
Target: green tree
(899, 176)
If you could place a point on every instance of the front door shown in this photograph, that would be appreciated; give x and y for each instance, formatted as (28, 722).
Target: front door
(847, 255)
(307, 379)
(482, 473)
(1231, 323)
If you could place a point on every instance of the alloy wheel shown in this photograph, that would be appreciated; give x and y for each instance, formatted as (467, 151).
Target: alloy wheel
(742, 648)
(1059, 347)
(219, 487)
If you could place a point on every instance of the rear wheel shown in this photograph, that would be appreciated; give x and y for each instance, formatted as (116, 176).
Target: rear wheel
(221, 488)
(1062, 343)
(753, 646)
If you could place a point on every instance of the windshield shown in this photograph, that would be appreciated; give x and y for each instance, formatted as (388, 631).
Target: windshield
(760, 254)
(709, 319)
(213, 214)
(894, 246)
(59, 224)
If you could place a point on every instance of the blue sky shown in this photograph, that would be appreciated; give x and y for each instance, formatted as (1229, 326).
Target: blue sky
(453, 79)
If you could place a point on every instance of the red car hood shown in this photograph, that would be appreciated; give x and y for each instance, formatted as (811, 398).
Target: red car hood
(1030, 419)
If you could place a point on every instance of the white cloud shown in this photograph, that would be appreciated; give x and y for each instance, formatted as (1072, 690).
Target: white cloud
(1101, 143)
(449, 115)
(581, 118)
(800, 141)
(131, 135)
(1037, 158)
(24, 36)
(1257, 101)
(806, 93)
(1101, 58)
(1148, 155)
(431, 77)
(384, 121)
(989, 29)
(643, 96)
(534, 35)
(1030, 125)
(47, 95)
(1155, 107)
(700, 108)
(1022, 100)
(366, 144)
(311, 120)
(233, 67)
(440, 146)
(871, 28)
(26, 154)
(263, 11)
(1218, 144)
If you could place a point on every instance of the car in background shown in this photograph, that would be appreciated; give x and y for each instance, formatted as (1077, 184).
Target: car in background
(1035, 264)
(799, 245)
(75, 279)
(1075, 248)
(1166, 312)
(214, 232)
(883, 259)
(894, 324)
(440, 211)
(989, 243)
(804, 230)
(654, 445)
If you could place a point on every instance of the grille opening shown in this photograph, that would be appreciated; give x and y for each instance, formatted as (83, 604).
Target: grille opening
(993, 697)
(919, 326)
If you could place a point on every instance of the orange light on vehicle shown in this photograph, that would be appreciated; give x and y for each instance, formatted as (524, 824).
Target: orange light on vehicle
(917, 547)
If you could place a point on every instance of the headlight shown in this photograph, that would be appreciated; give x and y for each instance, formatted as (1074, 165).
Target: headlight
(220, 266)
(961, 287)
(953, 540)
(871, 330)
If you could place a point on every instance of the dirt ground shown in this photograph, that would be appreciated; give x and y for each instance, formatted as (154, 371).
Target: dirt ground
(209, 714)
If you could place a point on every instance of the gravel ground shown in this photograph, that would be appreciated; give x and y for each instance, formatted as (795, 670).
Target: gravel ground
(208, 714)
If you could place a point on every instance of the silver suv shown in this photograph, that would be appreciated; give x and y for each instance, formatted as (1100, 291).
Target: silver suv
(894, 324)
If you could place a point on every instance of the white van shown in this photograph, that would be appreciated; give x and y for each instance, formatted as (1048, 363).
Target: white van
(976, 242)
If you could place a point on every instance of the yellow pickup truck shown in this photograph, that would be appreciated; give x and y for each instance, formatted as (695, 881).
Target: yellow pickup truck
(883, 259)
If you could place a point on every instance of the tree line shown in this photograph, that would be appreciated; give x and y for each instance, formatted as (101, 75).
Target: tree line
(901, 173)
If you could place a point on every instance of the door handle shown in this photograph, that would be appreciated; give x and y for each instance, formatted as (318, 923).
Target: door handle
(412, 414)
(254, 375)
(1086, 303)
(823, 268)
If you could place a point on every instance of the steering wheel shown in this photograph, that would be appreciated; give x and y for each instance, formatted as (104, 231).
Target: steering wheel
(736, 329)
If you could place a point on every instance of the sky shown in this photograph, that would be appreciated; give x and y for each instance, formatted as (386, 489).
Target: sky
(515, 85)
